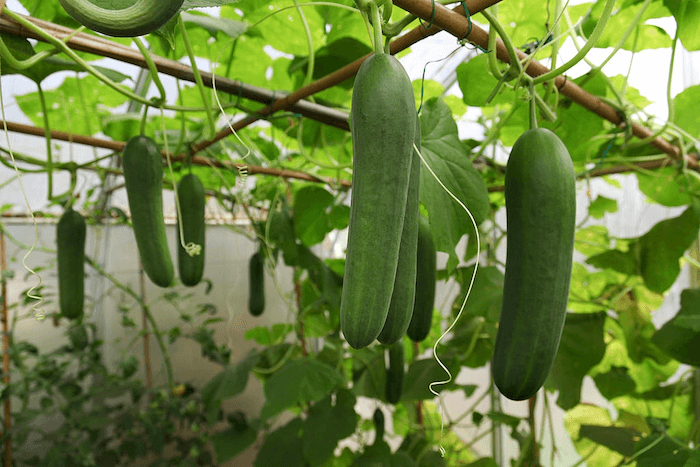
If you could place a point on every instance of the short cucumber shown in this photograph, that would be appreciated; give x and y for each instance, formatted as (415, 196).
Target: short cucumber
(140, 18)
(190, 192)
(540, 193)
(383, 121)
(70, 241)
(426, 278)
(143, 177)
(256, 284)
(402, 298)
(395, 373)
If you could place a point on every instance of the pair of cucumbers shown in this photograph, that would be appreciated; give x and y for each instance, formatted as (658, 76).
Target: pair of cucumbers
(380, 267)
(143, 177)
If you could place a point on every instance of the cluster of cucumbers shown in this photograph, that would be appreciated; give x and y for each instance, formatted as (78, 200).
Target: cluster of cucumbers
(390, 247)
(143, 177)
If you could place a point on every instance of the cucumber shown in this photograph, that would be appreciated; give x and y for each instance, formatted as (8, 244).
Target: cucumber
(143, 177)
(426, 278)
(403, 296)
(143, 17)
(394, 374)
(70, 242)
(540, 193)
(256, 284)
(190, 192)
(383, 117)
(378, 420)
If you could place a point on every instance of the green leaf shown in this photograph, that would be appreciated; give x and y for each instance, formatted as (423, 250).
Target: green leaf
(231, 442)
(483, 462)
(693, 459)
(665, 187)
(231, 381)
(615, 382)
(582, 346)
(680, 337)
(283, 447)
(310, 219)
(423, 372)
(327, 424)
(619, 439)
(601, 205)
(231, 28)
(623, 262)
(660, 249)
(475, 80)
(589, 414)
(687, 14)
(685, 114)
(264, 335)
(298, 382)
(374, 455)
(664, 452)
(447, 157)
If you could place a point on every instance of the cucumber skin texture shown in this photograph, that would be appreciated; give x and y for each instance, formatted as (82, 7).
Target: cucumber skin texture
(256, 284)
(395, 372)
(383, 117)
(540, 193)
(426, 278)
(143, 177)
(403, 296)
(190, 192)
(70, 240)
(144, 17)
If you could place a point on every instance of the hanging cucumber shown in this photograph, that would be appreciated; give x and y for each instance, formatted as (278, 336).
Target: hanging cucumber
(140, 18)
(426, 278)
(256, 284)
(395, 373)
(143, 177)
(383, 121)
(540, 197)
(70, 241)
(190, 192)
(403, 296)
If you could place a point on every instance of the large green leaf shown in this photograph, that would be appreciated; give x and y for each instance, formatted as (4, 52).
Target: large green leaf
(687, 14)
(655, 452)
(447, 156)
(283, 447)
(298, 382)
(680, 337)
(327, 424)
(229, 383)
(310, 219)
(582, 346)
(619, 439)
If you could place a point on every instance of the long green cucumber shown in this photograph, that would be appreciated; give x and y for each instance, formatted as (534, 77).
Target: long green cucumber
(70, 241)
(402, 298)
(426, 278)
(143, 177)
(540, 192)
(256, 284)
(190, 192)
(126, 18)
(395, 373)
(383, 120)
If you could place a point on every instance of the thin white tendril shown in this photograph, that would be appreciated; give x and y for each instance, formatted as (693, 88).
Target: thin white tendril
(192, 249)
(243, 170)
(461, 310)
(39, 313)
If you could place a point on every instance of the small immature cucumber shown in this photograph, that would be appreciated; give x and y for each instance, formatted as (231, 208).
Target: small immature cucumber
(378, 419)
(138, 19)
(256, 287)
(402, 298)
(426, 277)
(190, 192)
(383, 121)
(143, 177)
(70, 240)
(540, 192)
(394, 374)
